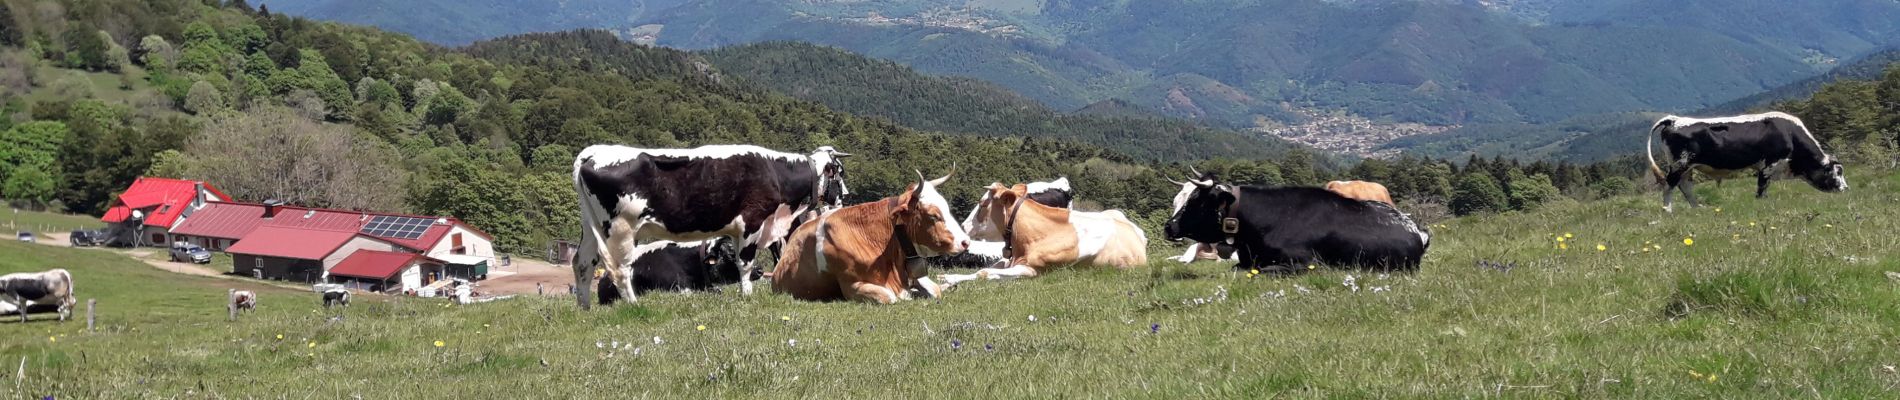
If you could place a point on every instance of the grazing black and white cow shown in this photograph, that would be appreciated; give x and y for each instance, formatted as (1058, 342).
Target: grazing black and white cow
(244, 300)
(1290, 227)
(1722, 147)
(665, 265)
(26, 289)
(336, 296)
(747, 193)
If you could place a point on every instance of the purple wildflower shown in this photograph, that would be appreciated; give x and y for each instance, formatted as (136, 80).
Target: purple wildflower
(1156, 328)
(48, 397)
(987, 346)
(956, 344)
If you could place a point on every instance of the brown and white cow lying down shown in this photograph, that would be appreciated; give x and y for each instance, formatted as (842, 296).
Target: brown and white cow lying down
(1361, 190)
(25, 289)
(1040, 238)
(871, 252)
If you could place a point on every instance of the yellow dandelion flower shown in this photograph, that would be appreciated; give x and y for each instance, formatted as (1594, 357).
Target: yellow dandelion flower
(1310, 266)
(1560, 240)
(439, 343)
(1698, 375)
(1563, 247)
(1718, 209)
(280, 336)
(1255, 271)
(702, 327)
(52, 339)
(1645, 249)
(1712, 378)
(1827, 225)
(310, 354)
(311, 344)
(785, 318)
(1688, 241)
(1600, 247)
(1568, 235)
(1751, 223)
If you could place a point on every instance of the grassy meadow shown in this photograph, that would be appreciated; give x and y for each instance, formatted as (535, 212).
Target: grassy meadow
(1793, 296)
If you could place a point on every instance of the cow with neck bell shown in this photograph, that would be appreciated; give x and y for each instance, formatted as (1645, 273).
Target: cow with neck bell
(1284, 229)
(749, 194)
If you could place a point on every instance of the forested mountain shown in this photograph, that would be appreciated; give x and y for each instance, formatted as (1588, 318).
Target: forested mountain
(1603, 136)
(460, 22)
(863, 86)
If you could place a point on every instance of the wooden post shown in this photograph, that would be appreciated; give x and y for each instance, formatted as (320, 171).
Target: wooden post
(90, 304)
(538, 291)
(230, 302)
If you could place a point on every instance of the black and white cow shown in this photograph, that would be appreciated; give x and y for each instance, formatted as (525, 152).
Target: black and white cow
(25, 289)
(1290, 227)
(665, 265)
(336, 296)
(1722, 147)
(986, 239)
(747, 193)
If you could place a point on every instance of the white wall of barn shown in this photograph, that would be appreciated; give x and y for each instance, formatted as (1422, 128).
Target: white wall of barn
(473, 244)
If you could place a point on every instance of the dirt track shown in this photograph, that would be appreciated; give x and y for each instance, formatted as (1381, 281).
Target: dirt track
(521, 278)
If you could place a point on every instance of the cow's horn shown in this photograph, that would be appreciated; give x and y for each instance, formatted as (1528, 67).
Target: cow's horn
(946, 177)
(839, 154)
(1174, 181)
(1197, 172)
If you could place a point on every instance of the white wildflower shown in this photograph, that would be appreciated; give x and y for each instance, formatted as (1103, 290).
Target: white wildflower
(1032, 317)
(791, 342)
(1301, 289)
(656, 340)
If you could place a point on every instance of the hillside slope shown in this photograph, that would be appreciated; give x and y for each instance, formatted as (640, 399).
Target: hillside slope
(1733, 312)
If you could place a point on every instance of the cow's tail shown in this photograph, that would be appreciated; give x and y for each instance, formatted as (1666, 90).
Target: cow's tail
(1649, 147)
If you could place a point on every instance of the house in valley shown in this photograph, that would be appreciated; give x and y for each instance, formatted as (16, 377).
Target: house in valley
(145, 213)
(308, 244)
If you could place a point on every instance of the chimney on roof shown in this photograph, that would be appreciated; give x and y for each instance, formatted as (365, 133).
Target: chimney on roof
(270, 208)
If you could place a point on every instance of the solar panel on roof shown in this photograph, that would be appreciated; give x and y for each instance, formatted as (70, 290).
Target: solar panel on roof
(390, 226)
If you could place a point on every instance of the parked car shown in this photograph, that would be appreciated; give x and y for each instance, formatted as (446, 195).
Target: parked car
(84, 237)
(26, 236)
(187, 252)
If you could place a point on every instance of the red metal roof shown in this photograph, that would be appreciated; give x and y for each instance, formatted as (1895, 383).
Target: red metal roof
(164, 199)
(318, 218)
(290, 242)
(222, 220)
(374, 264)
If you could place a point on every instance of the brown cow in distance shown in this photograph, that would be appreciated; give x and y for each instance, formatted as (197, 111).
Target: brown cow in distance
(1041, 238)
(1361, 190)
(872, 252)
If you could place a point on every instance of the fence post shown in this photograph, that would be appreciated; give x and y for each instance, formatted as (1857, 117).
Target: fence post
(538, 291)
(90, 304)
(230, 302)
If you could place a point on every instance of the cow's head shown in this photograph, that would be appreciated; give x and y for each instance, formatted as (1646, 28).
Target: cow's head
(982, 223)
(1199, 209)
(829, 162)
(1829, 177)
(721, 260)
(926, 216)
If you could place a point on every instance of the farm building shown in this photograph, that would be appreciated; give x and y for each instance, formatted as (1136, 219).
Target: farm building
(301, 244)
(297, 254)
(146, 212)
(378, 271)
(219, 225)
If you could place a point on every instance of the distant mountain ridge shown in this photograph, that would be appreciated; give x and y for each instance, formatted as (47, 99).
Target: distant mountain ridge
(1253, 64)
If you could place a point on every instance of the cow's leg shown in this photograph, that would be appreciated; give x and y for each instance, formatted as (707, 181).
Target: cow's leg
(751, 256)
(1761, 183)
(586, 258)
(1688, 192)
(873, 293)
(1015, 272)
(621, 241)
(1675, 179)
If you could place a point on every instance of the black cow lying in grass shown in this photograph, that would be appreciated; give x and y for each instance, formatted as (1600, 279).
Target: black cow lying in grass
(1277, 229)
(675, 266)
